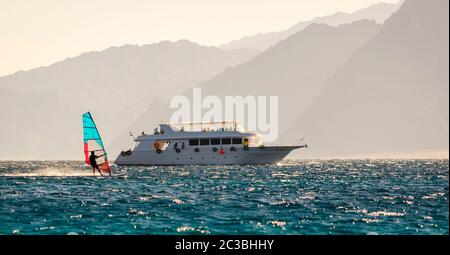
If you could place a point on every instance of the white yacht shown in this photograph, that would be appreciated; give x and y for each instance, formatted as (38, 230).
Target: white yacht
(214, 143)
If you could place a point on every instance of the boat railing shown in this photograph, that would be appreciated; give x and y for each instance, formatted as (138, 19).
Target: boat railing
(207, 126)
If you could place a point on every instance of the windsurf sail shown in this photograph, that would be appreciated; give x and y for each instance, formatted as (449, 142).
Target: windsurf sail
(93, 143)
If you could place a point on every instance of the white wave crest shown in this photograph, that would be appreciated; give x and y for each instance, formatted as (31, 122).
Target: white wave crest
(51, 172)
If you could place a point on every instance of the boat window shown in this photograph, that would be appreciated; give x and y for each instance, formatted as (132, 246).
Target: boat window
(204, 141)
(215, 141)
(226, 140)
(193, 141)
(237, 140)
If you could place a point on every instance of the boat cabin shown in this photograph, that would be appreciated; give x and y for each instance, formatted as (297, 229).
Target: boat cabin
(213, 136)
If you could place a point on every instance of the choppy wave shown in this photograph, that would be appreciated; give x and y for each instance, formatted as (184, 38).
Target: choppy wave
(49, 172)
(294, 197)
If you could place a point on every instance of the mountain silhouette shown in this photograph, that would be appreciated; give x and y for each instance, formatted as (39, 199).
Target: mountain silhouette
(42, 107)
(348, 84)
(377, 12)
(391, 95)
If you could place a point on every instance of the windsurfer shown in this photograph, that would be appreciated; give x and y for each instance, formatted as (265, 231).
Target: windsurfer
(93, 162)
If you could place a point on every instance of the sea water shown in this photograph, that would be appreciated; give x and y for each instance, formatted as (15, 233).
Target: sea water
(295, 197)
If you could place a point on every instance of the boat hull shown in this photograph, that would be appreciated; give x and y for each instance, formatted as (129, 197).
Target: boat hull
(252, 156)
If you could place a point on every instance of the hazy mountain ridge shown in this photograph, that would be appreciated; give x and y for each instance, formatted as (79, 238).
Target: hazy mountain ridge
(262, 41)
(295, 69)
(115, 84)
(359, 88)
(392, 95)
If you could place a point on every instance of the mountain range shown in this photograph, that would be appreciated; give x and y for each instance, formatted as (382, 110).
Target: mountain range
(42, 107)
(393, 93)
(374, 81)
(262, 41)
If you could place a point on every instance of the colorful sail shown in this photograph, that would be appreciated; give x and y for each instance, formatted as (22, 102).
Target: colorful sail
(93, 143)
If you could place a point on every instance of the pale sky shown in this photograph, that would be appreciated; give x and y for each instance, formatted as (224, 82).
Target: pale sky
(34, 33)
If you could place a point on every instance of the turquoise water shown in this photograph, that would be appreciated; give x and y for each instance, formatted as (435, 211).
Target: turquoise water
(297, 197)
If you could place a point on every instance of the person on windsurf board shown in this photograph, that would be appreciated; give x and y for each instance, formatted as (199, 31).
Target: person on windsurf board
(93, 162)
(92, 145)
